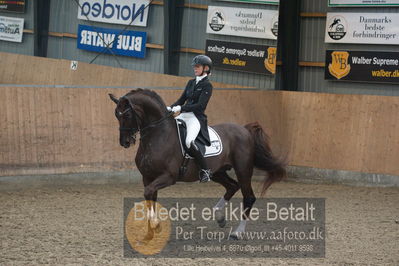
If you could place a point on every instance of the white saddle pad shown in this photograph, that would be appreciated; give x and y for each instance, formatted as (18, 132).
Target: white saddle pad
(216, 142)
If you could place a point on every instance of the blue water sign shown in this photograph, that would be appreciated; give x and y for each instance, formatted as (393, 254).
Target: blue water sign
(127, 43)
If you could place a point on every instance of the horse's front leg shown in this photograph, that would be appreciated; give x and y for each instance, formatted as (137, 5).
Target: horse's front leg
(151, 210)
(150, 195)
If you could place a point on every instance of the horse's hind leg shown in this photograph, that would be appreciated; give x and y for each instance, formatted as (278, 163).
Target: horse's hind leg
(227, 182)
(244, 173)
(231, 187)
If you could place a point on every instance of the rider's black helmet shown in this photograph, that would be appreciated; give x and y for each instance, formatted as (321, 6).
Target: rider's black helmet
(202, 60)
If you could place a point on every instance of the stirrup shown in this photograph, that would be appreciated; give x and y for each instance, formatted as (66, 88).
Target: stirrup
(205, 175)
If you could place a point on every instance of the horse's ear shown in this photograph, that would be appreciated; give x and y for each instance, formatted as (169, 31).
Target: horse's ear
(113, 98)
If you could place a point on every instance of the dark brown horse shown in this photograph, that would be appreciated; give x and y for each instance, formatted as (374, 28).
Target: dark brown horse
(159, 155)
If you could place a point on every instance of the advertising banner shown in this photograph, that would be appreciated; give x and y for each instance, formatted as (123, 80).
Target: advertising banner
(270, 2)
(242, 57)
(126, 12)
(11, 29)
(127, 43)
(244, 22)
(367, 28)
(362, 3)
(367, 66)
(12, 6)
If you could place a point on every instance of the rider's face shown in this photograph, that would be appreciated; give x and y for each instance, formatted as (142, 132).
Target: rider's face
(198, 70)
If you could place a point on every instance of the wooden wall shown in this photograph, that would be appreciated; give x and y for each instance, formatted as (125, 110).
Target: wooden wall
(348, 132)
(52, 129)
(59, 130)
(23, 69)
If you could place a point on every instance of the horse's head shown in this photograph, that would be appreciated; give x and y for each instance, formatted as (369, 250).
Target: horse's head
(129, 120)
(137, 111)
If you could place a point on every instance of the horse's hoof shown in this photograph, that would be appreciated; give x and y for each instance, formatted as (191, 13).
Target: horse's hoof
(222, 223)
(219, 215)
(233, 237)
(158, 229)
(147, 238)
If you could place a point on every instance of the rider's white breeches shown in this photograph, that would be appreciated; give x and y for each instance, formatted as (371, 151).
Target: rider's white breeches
(193, 126)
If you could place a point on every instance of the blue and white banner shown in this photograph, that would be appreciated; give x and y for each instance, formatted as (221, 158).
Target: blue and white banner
(128, 43)
(126, 12)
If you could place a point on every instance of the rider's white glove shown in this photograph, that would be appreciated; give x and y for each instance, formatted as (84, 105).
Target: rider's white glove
(168, 108)
(176, 109)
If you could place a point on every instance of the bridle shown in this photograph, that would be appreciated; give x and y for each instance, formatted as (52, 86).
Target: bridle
(136, 130)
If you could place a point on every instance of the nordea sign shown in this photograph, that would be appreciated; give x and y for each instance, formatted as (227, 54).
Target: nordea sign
(127, 12)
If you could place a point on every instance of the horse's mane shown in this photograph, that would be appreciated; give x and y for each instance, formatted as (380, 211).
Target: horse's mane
(150, 93)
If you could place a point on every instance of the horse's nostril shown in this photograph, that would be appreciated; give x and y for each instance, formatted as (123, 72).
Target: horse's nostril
(125, 143)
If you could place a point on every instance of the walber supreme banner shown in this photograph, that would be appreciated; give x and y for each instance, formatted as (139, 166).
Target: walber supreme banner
(367, 28)
(368, 66)
(242, 57)
(245, 22)
(126, 12)
(127, 43)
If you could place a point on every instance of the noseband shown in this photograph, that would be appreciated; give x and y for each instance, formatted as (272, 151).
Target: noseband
(135, 130)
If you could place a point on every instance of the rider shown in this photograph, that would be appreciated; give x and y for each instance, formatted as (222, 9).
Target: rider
(191, 105)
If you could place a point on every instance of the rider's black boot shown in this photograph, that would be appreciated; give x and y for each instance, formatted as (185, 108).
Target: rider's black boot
(205, 173)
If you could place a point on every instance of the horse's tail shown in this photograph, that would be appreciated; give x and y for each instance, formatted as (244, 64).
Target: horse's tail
(264, 158)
